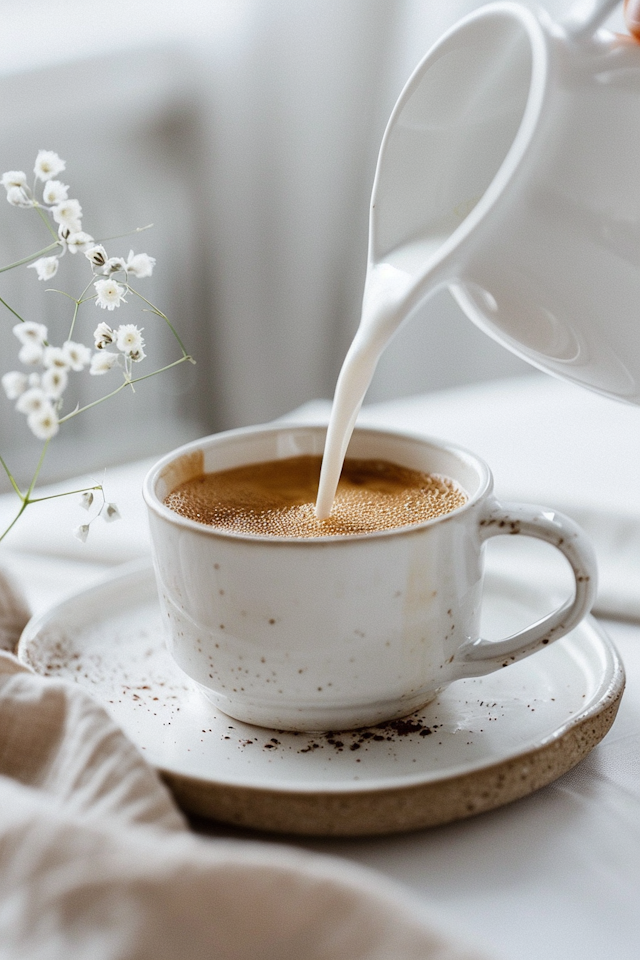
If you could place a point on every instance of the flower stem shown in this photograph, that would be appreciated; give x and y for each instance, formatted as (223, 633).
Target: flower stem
(34, 256)
(11, 480)
(76, 308)
(160, 314)
(27, 495)
(67, 295)
(23, 507)
(11, 310)
(26, 498)
(45, 220)
(67, 493)
(129, 233)
(125, 383)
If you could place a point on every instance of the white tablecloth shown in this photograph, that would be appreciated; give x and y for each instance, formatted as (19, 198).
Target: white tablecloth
(556, 875)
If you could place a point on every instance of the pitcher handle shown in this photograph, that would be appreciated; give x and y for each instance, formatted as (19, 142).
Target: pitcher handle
(585, 16)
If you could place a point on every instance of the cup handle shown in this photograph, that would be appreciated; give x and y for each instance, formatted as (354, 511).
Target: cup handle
(477, 657)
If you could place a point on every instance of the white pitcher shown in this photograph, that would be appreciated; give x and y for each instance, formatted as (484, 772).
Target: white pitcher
(509, 174)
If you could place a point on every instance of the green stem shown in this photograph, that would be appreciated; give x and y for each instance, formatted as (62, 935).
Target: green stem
(159, 313)
(55, 290)
(161, 369)
(67, 493)
(120, 236)
(26, 499)
(45, 220)
(27, 496)
(125, 383)
(23, 507)
(23, 500)
(77, 307)
(11, 480)
(34, 256)
(11, 310)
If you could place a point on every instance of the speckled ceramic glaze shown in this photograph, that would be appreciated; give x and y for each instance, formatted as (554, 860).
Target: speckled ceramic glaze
(340, 632)
(479, 744)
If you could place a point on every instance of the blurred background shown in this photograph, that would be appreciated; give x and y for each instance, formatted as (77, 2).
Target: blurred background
(247, 132)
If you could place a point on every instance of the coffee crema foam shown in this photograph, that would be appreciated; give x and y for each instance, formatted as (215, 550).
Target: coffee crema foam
(277, 498)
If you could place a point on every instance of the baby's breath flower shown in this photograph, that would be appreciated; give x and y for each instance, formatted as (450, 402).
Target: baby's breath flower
(110, 294)
(102, 362)
(30, 332)
(48, 165)
(102, 335)
(96, 255)
(114, 265)
(82, 532)
(14, 384)
(54, 382)
(34, 379)
(31, 354)
(14, 178)
(86, 499)
(110, 512)
(43, 423)
(68, 213)
(31, 401)
(76, 354)
(45, 267)
(54, 192)
(140, 265)
(55, 358)
(77, 240)
(17, 197)
(129, 339)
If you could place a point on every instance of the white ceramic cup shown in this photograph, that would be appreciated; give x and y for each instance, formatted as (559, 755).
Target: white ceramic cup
(508, 174)
(342, 632)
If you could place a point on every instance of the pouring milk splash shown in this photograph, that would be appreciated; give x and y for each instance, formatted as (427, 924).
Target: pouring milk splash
(408, 251)
(386, 303)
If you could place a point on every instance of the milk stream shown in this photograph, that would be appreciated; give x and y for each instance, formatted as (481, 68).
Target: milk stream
(392, 289)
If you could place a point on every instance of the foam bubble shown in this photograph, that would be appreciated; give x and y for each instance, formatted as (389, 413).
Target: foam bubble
(277, 499)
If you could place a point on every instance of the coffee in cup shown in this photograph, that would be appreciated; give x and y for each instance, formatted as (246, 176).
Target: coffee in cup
(277, 497)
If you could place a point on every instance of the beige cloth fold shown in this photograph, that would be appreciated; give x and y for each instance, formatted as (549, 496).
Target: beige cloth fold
(96, 861)
(14, 612)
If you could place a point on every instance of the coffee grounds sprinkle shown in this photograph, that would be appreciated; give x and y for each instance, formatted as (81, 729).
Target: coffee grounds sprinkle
(134, 671)
(390, 732)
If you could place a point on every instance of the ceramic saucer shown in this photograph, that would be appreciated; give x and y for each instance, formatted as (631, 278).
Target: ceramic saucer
(483, 743)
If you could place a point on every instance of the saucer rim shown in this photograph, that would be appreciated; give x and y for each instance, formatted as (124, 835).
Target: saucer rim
(391, 805)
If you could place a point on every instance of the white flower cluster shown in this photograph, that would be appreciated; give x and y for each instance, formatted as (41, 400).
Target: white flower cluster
(39, 395)
(127, 338)
(108, 511)
(67, 214)
(38, 391)
(140, 265)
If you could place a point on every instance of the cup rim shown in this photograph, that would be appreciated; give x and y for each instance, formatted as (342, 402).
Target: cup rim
(515, 156)
(156, 506)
